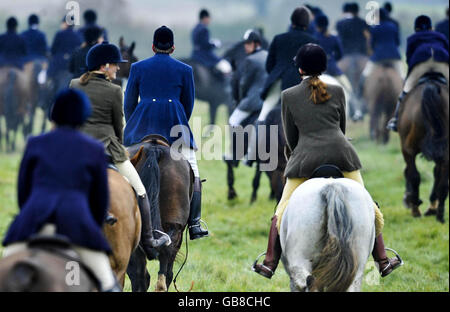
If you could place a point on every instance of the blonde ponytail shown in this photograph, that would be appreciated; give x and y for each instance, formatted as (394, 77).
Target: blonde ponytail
(318, 90)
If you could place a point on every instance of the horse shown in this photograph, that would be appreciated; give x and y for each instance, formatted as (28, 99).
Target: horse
(127, 54)
(124, 232)
(169, 185)
(352, 65)
(327, 233)
(423, 128)
(381, 91)
(14, 97)
(46, 265)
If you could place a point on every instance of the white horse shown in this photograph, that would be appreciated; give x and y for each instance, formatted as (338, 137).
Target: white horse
(327, 233)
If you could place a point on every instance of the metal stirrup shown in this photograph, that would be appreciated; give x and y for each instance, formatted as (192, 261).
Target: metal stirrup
(256, 262)
(396, 255)
(169, 241)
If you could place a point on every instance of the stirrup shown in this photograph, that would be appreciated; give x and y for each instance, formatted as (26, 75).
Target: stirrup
(198, 225)
(169, 241)
(256, 262)
(396, 255)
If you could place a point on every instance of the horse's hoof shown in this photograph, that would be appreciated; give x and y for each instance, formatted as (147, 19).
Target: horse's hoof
(416, 213)
(440, 219)
(232, 195)
(431, 212)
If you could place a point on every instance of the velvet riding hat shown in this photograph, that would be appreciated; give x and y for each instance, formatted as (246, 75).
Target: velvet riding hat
(71, 108)
(163, 38)
(312, 59)
(101, 54)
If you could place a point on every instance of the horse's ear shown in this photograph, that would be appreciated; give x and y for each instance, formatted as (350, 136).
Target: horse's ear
(131, 49)
(121, 42)
(137, 157)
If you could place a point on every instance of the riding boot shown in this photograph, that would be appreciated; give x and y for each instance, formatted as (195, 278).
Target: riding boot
(273, 254)
(195, 229)
(385, 265)
(147, 240)
(392, 123)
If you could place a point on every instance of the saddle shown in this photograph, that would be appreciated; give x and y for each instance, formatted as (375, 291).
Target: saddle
(60, 246)
(432, 76)
(156, 139)
(327, 171)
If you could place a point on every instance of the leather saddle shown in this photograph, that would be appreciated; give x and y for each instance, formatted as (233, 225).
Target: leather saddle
(156, 139)
(432, 76)
(327, 171)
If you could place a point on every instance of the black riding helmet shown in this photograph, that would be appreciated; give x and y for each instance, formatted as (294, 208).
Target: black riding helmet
(312, 59)
(103, 53)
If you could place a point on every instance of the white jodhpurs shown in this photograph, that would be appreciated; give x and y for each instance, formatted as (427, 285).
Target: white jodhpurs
(127, 169)
(189, 154)
(421, 69)
(271, 100)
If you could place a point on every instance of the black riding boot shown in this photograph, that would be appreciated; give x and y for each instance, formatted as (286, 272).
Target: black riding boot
(392, 124)
(195, 229)
(147, 240)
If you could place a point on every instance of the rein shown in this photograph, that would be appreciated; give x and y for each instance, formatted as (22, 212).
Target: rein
(184, 262)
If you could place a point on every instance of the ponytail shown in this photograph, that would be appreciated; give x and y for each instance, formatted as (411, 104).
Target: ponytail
(84, 79)
(318, 90)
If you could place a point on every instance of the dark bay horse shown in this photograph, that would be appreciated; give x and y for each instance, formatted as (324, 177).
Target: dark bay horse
(45, 268)
(381, 91)
(123, 235)
(169, 185)
(14, 98)
(423, 128)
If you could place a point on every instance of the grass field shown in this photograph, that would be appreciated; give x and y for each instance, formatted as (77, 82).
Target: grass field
(238, 230)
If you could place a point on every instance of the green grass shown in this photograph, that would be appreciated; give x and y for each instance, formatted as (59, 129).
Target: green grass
(238, 230)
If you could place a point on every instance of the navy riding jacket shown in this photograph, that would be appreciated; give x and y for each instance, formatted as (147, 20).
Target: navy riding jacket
(36, 43)
(385, 40)
(166, 90)
(63, 181)
(64, 44)
(333, 47)
(351, 33)
(424, 45)
(442, 27)
(12, 50)
(203, 49)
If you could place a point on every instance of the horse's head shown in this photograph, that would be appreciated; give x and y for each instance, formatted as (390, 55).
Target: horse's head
(127, 54)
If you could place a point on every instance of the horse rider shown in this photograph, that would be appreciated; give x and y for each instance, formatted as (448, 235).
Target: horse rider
(35, 40)
(12, 46)
(203, 46)
(385, 42)
(388, 7)
(90, 20)
(427, 51)
(250, 78)
(353, 31)
(333, 48)
(92, 36)
(314, 120)
(65, 42)
(442, 26)
(165, 87)
(63, 189)
(280, 65)
(106, 125)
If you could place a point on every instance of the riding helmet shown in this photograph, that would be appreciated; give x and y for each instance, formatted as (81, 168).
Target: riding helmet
(321, 21)
(71, 108)
(312, 59)
(33, 19)
(252, 36)
(163, 38)
(300, 17)
(11, 23)
(422, 22)
(101, 54)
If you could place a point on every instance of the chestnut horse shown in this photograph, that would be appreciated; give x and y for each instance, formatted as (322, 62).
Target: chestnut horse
(169, 185)
(123, 235)
(423, 128)
(381, 91)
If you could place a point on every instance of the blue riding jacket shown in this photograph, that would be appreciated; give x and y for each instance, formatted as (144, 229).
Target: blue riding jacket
(64, 44)
(333, 47)
(385, 40)
(36, 43)
(165, 87)
(63, 181)
(12, 50)
(442, 27)
(424, 45)
(203, 49)
(351, 34)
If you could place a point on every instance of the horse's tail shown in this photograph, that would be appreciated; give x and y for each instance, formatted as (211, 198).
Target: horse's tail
(150, 177)
(435, 143)
(335, 268)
